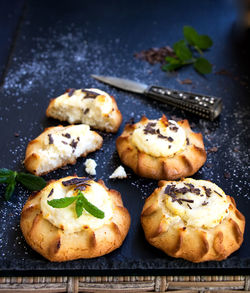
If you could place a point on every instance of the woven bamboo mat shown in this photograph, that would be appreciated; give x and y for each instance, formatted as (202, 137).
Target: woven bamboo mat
(176, 284)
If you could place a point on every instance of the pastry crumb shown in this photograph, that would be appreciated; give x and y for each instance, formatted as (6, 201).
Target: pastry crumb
(119, 173)
(90, 165)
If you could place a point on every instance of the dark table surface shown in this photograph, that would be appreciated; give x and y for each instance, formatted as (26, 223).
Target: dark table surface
(49, 46)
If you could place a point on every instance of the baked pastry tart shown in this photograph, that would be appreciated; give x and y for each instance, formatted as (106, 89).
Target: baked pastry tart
(161, 149)
(94, 222)
(192, 219)
(89, 106)
(59, 146)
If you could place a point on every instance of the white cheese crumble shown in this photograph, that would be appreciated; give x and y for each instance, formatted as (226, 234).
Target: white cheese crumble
(119, 173)
(90, 166)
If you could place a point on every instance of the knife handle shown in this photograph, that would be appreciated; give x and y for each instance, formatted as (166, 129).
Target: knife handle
(208, 107)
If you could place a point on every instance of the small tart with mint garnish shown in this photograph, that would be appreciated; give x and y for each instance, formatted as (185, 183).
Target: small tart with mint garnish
(90, 106)
(161, 149)
(192, 219)
(74, 217)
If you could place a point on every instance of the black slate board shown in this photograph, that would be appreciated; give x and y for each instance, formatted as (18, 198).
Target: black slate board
(59, 46)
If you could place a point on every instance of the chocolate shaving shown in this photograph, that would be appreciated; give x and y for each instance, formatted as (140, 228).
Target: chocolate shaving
(209, 165)
(174, 128)
(227, 175)
(75, 181)
(186, 81)
(169, 146)
(73, 144)
(51, 192)
(64, 142)
(186, 200)
(81, 186)
(149, 128)
(170, 139)
(182, 190)
(51, 140)
(204, 203)
(189, 185)
(155, 55)
(189, 206)
(208, 191)
(196, 191)
(218, 193)
(70, 92)
(224, 72)
(187, 141)
(89, 94)
(162, 136)
(86, 111)
(212, 150)
(67, 135)
(170, 190)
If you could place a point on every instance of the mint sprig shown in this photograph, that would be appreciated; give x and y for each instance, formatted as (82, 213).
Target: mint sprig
(81, 203)
(189, 51)
(10, 178)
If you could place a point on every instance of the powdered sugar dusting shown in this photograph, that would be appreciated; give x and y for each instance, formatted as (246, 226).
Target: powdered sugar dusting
(58, 61)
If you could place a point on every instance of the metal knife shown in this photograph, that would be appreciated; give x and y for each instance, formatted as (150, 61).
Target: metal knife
(208, 107)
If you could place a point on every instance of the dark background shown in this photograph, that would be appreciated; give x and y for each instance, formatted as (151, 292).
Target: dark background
(49, 46)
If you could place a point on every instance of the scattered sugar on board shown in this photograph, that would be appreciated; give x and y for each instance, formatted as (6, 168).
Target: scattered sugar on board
(59, 61)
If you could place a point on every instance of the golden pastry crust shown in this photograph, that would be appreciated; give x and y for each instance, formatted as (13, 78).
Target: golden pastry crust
(71, 107)
(55, 244)
(182, 164)
(40, 163)
(196, 244)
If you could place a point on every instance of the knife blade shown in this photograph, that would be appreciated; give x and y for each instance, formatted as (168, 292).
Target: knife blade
(208, 107)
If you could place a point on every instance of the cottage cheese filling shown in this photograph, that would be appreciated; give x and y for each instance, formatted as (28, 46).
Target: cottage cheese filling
(66, 218)
(196, 203)
(159, 137)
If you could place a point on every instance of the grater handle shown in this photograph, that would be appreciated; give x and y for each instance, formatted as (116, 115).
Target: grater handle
(208, 107)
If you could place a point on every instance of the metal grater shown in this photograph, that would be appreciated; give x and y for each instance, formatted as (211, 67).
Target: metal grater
(205, 106)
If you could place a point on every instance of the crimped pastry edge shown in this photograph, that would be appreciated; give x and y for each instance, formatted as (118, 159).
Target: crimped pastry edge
(57, 246)
(190, 243)
(182, 164)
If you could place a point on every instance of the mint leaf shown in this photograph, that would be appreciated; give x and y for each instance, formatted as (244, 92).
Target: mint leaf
(5, 172)
(182, 51)
(4, 179)
(5, 175)
(203, 66)
(196, 40)
(190, 34)
(62, 202)
(173, 63)
(30, 181)
(203, 42)
(171, 67)
(89, 207)
(79, 205)
(9, 190)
